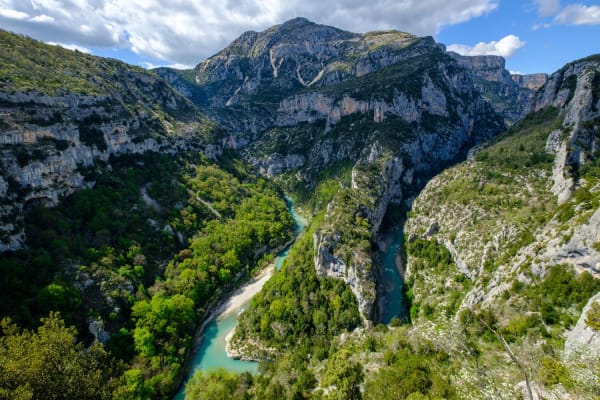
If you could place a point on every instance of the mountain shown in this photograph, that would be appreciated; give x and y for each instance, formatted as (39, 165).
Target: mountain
(134, 215)
(509, 95)
(64, 111)
(300, 97)
(520, 222)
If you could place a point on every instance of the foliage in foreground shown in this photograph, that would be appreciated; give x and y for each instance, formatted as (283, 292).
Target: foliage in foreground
(149, 268)
(49, 363)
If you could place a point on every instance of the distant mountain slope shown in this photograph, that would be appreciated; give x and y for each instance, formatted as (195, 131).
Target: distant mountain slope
(510, 95)
(62, 111)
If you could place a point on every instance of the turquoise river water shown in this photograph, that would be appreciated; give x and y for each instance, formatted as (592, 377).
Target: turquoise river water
(393, 301)
(212, 353)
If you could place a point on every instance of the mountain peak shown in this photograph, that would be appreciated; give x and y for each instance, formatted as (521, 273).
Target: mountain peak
(298, 21)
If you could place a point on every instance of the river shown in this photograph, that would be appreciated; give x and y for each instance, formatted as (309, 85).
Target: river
(211, 353)
(392, 303)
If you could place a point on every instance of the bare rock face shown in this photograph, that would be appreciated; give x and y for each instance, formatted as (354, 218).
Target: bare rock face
(294, 55)
(489, 68)
(531, 81)
(511, 249)
(571, 89)
(285, 76)
(510, 95)
(355, 214)
(584, 339)
(96, 328)
(48, 141)
(579, 251)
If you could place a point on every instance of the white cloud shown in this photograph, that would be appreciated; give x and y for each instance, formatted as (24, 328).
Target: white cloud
(579, 14)
(72, 47)
(537, 27)
(12, 14)
(547, 8)
(186, 31)
(504, 47)
(42, 18)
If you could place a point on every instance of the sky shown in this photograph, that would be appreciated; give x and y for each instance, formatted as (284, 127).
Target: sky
(533, 35)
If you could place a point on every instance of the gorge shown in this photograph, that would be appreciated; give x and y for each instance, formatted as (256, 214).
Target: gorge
(451, 220)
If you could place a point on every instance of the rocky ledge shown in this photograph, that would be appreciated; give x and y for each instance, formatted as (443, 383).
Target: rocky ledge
(48, 142)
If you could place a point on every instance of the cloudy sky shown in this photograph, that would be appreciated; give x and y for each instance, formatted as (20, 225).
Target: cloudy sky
(534, 35)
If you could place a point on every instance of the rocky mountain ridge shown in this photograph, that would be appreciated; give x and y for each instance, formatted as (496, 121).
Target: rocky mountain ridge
(50, 138)
(509, 94)
(516, 224)
(569, 140)
(300, 97)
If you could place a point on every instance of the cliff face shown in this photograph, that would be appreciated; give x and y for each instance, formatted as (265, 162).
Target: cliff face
(342, 245)
(300, 97)
(554, 152)
(531, 81)
(512, 96)
(518, 211)
(573, 89)
(49, 137)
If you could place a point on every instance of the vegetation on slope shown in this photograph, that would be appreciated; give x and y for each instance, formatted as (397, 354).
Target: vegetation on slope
(454, 349)
(146, 251)
(49, 363)
(501, 305)
(298, 309)
(30, 65)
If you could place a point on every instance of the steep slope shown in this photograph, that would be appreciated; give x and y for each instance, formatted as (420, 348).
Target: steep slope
(510, 95)
(242, 85)
(501, 276)
(122, 217)
(63, 111)
(513, 233)
(301, 99)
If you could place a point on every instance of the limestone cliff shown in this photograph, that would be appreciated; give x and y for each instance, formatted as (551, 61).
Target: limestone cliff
(521, 212)
(573, 89)
(511, 95)
(550, 153)
(50, 136)
(342, 244)
(531, 81)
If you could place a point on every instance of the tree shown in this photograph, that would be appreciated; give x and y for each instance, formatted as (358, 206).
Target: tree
(215, 385)
(593, 316)
(50, 364)
(345, 375)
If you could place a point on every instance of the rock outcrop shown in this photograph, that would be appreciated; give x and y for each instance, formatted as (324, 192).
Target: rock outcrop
(583, 339)
(48, 140)
(574, 90)
(492, 245)
(342, 248)
(531, 81)
(511, 95)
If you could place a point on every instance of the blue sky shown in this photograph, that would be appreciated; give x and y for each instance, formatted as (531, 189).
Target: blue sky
(548, 44)
(533, 35)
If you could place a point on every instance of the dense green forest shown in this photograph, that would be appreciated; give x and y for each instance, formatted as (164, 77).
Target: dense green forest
(297, 309)
(147, 251)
